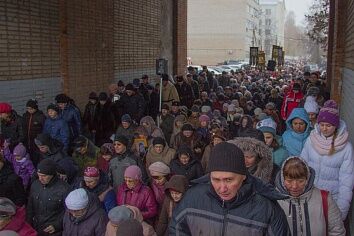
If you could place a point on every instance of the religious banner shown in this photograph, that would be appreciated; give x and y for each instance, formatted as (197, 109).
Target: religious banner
(253, 56)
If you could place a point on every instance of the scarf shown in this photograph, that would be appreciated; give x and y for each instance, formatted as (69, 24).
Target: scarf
(323, 145)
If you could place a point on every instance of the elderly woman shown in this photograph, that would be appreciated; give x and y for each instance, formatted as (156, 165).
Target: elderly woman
(150, 126)
(310, 211)
(13, 218)
(188, 136)
(159, 151)
(133, 192)
(298, 129)
(159, 173)
(329, 152)
(177, 126)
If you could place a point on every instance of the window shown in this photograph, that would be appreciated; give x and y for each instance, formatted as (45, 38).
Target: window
(268, 11)
(267, 32)
(268, 22)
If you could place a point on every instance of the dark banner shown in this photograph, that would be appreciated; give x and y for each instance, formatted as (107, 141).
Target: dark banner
(253, 56)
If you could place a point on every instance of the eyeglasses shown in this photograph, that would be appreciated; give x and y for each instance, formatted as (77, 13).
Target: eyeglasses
(158, 177)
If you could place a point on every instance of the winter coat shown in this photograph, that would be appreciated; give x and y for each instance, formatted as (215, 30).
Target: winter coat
(119, 163)
(154, 108)
(133, 105)
(152, 129)
(180, 184)
(186, 95)
(206, 156)
(103, 191)
(58, 129)
(105, 123)
(204, 134)
(280, 154)
(11, 185)
(12, 130)
(334, 173)
(167, 126)
(292, 141)
(306, 211)
(192, 170)
(252, 212)
(249, 131)
(19, 225)
(89, 119)
(33, 125)
(92, 223)
(129, 132)
(56, 153)
(72, 116)
(140, 196)
(195, 86)
(194, 121)
(46, 204)
(224, 81)
(148, 230)
(166, 156)
(89, 158)
(291, 101)
(23, 168)
(169, 94)
(181, 140)
(159, 193)
(263, 168)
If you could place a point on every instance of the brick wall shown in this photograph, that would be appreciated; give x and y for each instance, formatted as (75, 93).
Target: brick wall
(180, 37)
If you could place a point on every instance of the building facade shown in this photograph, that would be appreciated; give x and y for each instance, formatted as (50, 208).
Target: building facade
(221, 30)
(272, 24)
(54, 46)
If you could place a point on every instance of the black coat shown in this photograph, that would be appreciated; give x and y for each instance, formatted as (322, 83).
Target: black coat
(11, 185)
(105, 123)
(46, 204)
(134, 106)
(12, 130)
(185, 93)
(32, 126)
(89, 119)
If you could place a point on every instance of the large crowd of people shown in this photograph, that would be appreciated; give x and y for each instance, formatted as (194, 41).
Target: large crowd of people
(248, 152)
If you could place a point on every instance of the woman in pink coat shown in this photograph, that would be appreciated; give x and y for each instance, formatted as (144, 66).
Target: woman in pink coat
(133, 192)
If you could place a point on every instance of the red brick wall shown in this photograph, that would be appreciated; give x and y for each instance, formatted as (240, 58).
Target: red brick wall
(180, 37)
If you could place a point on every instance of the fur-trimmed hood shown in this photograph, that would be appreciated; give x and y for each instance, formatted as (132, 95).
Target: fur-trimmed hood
(264, 167)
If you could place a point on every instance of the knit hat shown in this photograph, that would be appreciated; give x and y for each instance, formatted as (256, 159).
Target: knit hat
(122, 139)
(119, 213)
(61, 98)
(231, 108)
(53, 106)
(7, 207)
(136, 83)
(43, 140)
(311, 105)
(204, 118)
(165, 106)
(80, 142)
(187, 127)
(195, 108)
(205, 109)
(102, 96)
(175, 103)
(227, 157)
(91, 172)
(159, 140)
(93, 95)
(267, 125)
(77, 199)
(20, 150)
(107, 149)
(257, 111)
(126, 118)
(32, 104)
(120, 83)
(313, 91)
(130, 227)
(159, 169)
(130, 87)
(133, 172)
(47, 167)
(329, 113)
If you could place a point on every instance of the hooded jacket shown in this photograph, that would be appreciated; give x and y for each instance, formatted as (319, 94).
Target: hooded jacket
(176, 130)
(58, 129)
(92, 223)
(153, 130)
(264, 167)
(192, 170)
(178, 183)
(252, 212)
(292, 141)
(19, 224)
(165, 156)
(334, 173)
(306, 211)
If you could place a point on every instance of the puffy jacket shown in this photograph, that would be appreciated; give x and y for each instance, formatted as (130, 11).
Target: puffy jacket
(140, 196)
(11, 185)
(33, 125)
(19, 225)
(46, 204)
(252, 212)
(12, 130)
(58, 129)
(165, 156)
(306, 211)
(292, 141)
(291, 101)
(72, 116)
(92, 223)
(334, 173)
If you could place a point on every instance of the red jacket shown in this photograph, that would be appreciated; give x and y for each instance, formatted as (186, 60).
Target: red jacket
(291, 101)
(19, 225)
(141, 197)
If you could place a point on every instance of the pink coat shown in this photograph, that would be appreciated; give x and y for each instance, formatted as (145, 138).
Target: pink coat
(141, 197)
(19, 225)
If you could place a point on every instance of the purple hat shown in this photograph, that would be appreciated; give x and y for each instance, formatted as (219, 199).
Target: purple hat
(20, 150)
(329, 113)
(133, 172)
(204, 118)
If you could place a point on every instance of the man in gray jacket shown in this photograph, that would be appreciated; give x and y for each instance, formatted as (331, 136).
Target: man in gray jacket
(229, 202)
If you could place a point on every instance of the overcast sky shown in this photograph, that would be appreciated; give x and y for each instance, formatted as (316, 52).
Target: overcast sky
(300, 7)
